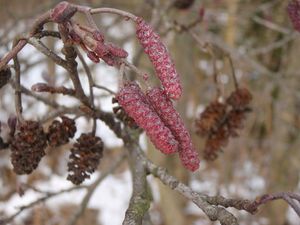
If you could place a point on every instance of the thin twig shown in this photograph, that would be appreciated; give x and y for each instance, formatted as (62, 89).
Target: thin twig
(104, 88)
(7, 220)
(39, 22)
(236, 84)
(47, 52)
(91, 84)
(18, 94)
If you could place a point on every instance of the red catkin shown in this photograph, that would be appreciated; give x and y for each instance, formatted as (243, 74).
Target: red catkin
(92, 56)
(135, 103)
(168, 114)
(116, 51)
(294, 13)
(160, 58)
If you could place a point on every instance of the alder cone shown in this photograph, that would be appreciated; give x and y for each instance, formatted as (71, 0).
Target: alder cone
(240, 98)
(137, 106)
(168, 114)
(160, 58)
(59, 133)
(5, 75)
(28, 147)
(210, 118)
(294, 13)
(215, 143)
(84, 158)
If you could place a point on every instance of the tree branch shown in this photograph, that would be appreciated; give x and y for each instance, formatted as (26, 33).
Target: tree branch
(141, 197)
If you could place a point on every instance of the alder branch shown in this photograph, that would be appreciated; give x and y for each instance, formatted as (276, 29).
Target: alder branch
(141, 197)
(214, 213)
(293, 199)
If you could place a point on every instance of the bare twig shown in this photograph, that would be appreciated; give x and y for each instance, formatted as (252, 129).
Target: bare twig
(236, 84)
(18, 94)
(91, 84)
(47, 52)
(104, 88)
(49, 195)
(37, 25)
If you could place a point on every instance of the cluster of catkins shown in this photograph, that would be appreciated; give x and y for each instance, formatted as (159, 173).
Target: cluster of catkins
(28, 142)
(153, 111)
(294, 13)
(89, 38)
(220, 121)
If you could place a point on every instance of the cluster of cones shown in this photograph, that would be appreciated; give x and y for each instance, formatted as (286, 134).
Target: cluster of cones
(220, 121)
(28, 142)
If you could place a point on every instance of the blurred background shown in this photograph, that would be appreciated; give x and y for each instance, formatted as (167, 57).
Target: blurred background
(200, 34)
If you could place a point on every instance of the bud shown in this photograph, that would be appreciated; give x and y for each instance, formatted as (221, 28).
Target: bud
(74, 37)
(92, 56)
(117, 51)
(110, 60)
(62, 12)
(40, 87)
(97, 35)
(101, 49)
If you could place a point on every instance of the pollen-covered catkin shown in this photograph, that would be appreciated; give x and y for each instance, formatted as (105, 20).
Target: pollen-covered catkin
(168, 114)
(160, 58)
(135, 103)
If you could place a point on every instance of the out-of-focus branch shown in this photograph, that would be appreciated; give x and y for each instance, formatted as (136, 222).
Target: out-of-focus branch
(43, 87)
(37, 97)
(49, 195)
(277, 44)
(47, 52)
(37, 25)
(271, 25)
